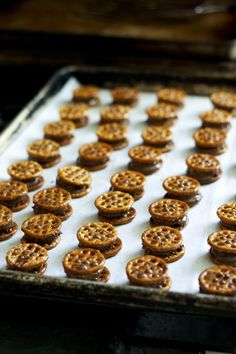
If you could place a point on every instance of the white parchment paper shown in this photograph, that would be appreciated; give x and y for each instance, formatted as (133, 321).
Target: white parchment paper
(202, 217)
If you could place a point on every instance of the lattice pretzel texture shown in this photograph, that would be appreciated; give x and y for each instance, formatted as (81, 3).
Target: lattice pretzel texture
(162, 238)
(114, 202)
(169, 209)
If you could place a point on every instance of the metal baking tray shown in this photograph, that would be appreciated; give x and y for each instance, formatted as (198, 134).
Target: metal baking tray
(129, 297)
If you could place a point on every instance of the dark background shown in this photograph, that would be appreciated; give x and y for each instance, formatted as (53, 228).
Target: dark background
(41, 36)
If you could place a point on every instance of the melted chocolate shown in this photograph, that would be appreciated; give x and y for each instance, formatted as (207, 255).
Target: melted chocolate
(91, 101)
(118, 215)
(79, 122)
(163, 254)
(38, 270)
(165, 145)
(119, 121)
(57, 212)
(162, 122)
(84, 162)
(88, 276)
(178, 223)
(71, 188)
(205, 177)
(45, 160)
(60, 139)
(126, 102)
(44, 241)
(228, 226)
(7, 228)
(213, 151)
(190, 200)
(222, 126)
(15, 202)
(116, 144)
(146, 169)
(223, 257)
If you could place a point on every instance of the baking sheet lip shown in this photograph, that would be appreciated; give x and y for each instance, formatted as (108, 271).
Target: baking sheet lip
(199, 301)
(122, 295)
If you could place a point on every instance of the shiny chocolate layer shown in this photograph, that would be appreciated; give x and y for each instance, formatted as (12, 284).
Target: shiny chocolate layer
(60, 139)
(45, 160)
(71, 188)
(223, 257)
(205, 177)
(82, 160)
(162, 122)
(126, 102)
(37, 270)
(223, 126)
(91, 101)
(118, 215)
(146, 169)
(6, 228)
(15, 202)
(228, 225)
(57, 212)
(190, 200)
(47, 239)
(212, 151)
(163, 254)
(86, 276)
(178, 223)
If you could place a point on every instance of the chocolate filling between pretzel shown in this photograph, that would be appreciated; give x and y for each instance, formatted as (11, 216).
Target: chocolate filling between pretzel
(58, 212)
(114, 120)
(79, 122)
(228, 225)
(110, 247)
(171, 253)
(46, 240)
(71, 188)
(145, 168)
(7, 228)
(126, 102)
(178, 223)
(37, 270)
(44, 160)
(223, 257)
(222, 126)
(191, 200)
(225, 108)
(206, 176)
(161, 283)
(136, 194)
(162, 145)
(118, 215)
(86, 276)
(116, 144)
(33, 182)
(162, 122)
(91, 101)
(84, 162)
(60, 139)
(15, 202)
(212, 150)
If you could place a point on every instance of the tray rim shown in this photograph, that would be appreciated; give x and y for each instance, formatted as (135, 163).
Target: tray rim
(84, 291)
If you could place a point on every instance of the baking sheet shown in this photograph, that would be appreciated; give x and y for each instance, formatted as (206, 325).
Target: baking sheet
(202, 218)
